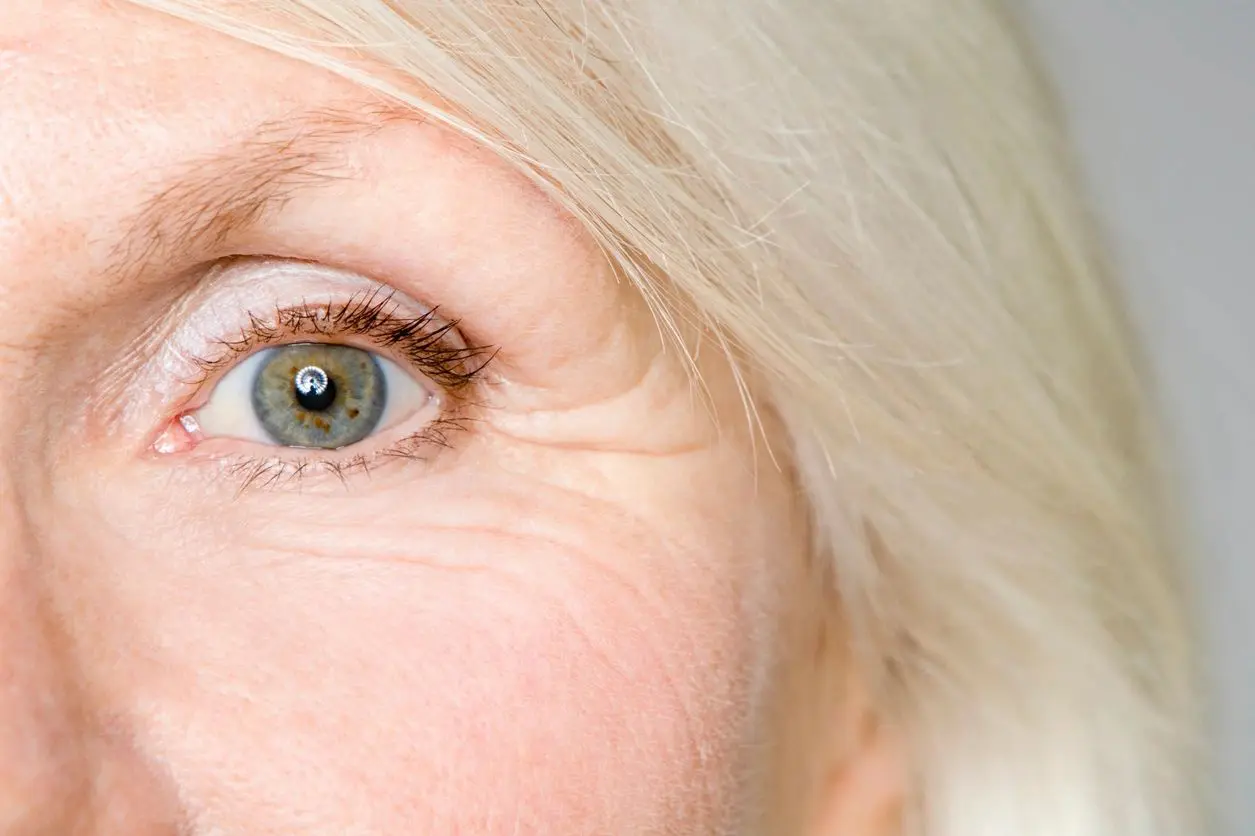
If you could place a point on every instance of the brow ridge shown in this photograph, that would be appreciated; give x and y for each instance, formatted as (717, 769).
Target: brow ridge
(208, 200)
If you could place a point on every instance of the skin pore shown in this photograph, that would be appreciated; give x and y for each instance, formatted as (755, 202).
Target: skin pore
(585, 607)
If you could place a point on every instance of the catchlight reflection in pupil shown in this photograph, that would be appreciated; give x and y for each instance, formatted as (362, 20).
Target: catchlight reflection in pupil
(315, 390)
(319, 395)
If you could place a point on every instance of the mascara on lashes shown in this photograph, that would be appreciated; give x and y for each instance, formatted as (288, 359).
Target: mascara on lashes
(431, 346)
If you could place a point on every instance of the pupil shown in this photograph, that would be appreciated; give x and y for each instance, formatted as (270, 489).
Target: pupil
(315, 390)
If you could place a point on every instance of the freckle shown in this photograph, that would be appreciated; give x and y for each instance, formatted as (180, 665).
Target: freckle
(354, 412)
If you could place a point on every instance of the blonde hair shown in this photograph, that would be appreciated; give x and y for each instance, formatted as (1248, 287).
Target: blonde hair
(868, 203)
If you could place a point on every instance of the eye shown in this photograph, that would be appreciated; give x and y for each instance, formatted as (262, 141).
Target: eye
(311, 395)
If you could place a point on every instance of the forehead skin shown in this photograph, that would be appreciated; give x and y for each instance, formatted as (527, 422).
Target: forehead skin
(564, 624)
(100, 99)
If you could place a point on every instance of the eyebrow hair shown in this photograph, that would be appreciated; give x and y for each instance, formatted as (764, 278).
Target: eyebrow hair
(209, 199)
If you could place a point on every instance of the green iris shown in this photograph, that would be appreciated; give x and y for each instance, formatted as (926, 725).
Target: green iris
(319, 395)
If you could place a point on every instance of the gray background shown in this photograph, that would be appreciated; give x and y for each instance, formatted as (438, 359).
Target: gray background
(1162, 98)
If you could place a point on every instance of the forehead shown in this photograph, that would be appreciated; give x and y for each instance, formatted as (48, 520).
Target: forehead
(101, 101)
(85, 75)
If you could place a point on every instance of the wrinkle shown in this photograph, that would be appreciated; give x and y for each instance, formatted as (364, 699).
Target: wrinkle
(610, 447)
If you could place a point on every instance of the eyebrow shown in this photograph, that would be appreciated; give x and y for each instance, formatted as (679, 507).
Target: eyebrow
(207, 200)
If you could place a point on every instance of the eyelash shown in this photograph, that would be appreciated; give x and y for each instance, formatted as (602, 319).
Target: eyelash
(426, 343)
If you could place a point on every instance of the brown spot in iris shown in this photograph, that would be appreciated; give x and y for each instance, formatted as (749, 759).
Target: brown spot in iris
(354, 412)
(322, 425)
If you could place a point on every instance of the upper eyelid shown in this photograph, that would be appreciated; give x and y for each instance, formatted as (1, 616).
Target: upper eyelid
(366, 313)
(426, 340)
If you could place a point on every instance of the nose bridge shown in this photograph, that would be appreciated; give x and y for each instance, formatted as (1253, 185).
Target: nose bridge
(43, 769)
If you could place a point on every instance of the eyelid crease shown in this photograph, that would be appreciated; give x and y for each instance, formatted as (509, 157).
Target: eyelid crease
(431, 345)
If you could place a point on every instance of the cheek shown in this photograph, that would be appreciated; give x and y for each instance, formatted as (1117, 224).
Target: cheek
(566, 678)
